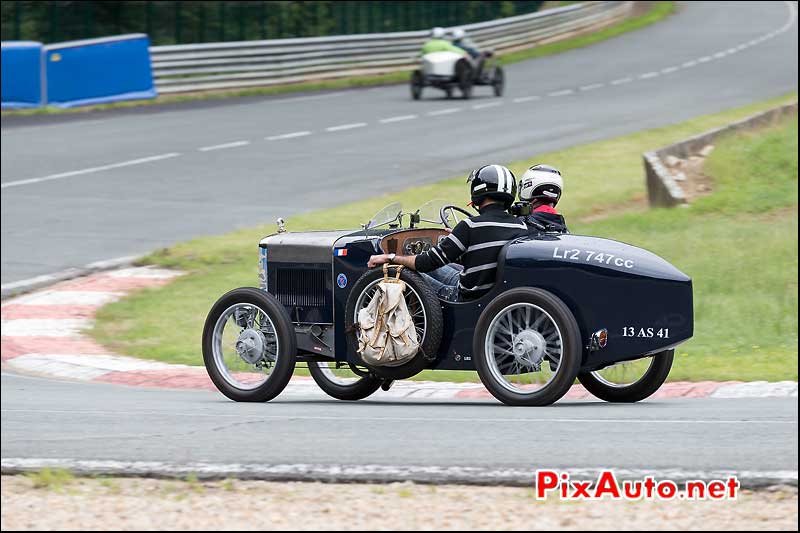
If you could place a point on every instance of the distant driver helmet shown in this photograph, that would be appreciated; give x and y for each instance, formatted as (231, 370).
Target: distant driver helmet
(541, 182)
(458, 33)
(437, 33)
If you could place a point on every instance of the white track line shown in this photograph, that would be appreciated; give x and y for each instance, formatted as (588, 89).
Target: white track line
(621, 81)
(445, 111)
(225, 146)
(347, 126)
(397, 119)
(648, 75)
(489, 104)
(561, 93)
(669, 70)
(291, 135)
(91, 170)
(592, 87)
(333, 418)
(522, 99)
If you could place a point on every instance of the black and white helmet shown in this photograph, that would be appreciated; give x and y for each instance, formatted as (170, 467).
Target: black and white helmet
(541, 182)
(493, 181)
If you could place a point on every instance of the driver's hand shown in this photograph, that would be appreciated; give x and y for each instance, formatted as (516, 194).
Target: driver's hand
(376, 260)
(449, 230)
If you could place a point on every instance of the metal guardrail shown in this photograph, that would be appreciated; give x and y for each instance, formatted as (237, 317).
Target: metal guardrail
(231, 65)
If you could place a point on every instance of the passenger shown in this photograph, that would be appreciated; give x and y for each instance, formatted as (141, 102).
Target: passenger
(463, 266)
(438, 43)
(541, 187)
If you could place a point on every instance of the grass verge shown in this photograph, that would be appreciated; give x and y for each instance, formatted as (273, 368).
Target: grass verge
(739, 244)
(658, 11)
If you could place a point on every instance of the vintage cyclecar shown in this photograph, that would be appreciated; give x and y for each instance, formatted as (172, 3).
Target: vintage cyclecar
(563, 307)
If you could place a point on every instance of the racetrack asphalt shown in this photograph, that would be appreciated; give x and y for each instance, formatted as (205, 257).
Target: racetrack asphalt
(309, 438)
(83, 188)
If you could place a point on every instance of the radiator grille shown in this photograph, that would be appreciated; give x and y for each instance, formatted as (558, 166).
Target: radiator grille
(301, 287)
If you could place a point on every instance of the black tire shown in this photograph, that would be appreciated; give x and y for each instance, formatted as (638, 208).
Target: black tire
(358, 390)
(571, 347)
(448, 92)
(433, 322)
(498, 81)
(649, 383)
(464, 78)
(284, 330)
(416, 85)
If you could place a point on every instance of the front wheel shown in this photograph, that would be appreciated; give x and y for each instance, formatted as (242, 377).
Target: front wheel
(416, 85)
(342, 384)
(527, 347)
(498, 81)
(249, 345)
(631, 381)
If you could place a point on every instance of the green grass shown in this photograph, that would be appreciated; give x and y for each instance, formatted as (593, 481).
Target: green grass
(739, 244)
(51, 478)
(659, 11)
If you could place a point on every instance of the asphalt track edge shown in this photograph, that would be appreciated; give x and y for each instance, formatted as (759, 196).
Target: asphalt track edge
(17, 288)
(380, 474)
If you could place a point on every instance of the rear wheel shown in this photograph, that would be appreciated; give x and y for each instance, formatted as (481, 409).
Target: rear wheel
(342, 383)
(416, 85)
(249, 345)
(630, 381)
(464, 78)
(527, 347)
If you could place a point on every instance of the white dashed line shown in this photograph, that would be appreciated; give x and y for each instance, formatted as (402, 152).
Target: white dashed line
(223, 146)
(561, 93)
(621, 81)
(668, 70)
(484, 106)
(592, 87)
(347, 126)
(732, 50)
(288, 135)
(648, 75)
(397, 119)
(720, 55)
(689, 64)
(445, 111)
(704, 59)
(90, 170)
(522, 99)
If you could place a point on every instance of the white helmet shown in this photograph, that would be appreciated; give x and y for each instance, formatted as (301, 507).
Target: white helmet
(458, 33)
(541, 182)
(437, 33)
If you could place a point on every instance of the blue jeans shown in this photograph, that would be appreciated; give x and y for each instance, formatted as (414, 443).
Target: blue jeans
(444, 281)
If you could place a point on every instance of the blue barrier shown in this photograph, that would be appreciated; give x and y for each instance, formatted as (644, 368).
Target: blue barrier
(21, 76)
(97, 71)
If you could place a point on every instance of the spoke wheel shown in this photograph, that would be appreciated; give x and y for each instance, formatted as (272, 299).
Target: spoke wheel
(249, 346)
(527, 347)
(630, 381)
(342, 383)
(425, 310)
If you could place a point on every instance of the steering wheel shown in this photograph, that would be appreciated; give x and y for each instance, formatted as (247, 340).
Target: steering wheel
(453, 210)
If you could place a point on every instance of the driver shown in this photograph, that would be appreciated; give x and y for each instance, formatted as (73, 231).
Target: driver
(460, 39)
(541, 187)
(464, 264)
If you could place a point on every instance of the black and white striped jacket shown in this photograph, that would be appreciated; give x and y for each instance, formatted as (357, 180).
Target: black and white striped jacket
(474, 243)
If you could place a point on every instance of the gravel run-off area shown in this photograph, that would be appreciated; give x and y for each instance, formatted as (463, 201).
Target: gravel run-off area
(149, 504)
